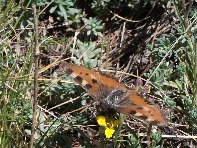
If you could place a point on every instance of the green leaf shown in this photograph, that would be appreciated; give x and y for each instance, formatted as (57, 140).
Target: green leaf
(62, 9)
(52, 9)
(88, 32)
(73, 11)
(170, 83)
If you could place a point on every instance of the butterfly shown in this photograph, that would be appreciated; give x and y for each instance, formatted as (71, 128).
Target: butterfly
(112, 93)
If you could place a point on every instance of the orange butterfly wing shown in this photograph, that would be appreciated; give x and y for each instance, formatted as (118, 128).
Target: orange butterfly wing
(90, 80)
(115, 94)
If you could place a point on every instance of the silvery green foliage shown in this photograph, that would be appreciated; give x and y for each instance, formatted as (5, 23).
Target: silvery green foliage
(87, 53)
(64, 9)
(93, 26)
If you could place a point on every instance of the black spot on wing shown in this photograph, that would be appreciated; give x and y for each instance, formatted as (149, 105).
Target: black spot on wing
(94, 81)
(139, 107)
(88, 86)
(87, 74)
(143, 117)
(78, 79)
(132, 112)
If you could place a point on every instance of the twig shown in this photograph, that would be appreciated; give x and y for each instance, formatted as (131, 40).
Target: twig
(35, 89)
(122, 34)
(47, 111)
(167, 136)
(180, 136)
(46, 7)
(149, 135)
(74, 43)
(71, 100)
(81, 108)
(127, 20)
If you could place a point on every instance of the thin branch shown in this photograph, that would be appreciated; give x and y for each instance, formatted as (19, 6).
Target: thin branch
(127, 20)
(149, 135)
(167, 136)
(122, 34)
(35, 89)
(69, 101)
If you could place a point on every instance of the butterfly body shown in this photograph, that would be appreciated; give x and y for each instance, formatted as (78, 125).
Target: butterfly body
(112, 93)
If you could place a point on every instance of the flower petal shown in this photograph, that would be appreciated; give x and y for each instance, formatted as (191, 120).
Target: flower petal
(101, 120)
(109, 132)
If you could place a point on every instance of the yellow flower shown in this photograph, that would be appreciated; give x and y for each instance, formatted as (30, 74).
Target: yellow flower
(101, 121)
(108, 124)
(109, 132)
